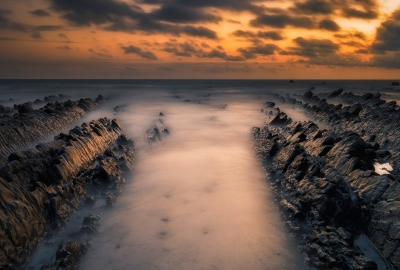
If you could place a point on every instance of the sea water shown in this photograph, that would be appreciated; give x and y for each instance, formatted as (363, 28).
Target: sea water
(198, 199)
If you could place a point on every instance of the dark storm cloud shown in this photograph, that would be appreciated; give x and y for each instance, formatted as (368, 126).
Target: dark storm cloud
(282, 21)
(362, 9)
(312, 48)
(361, 14)
(192, 49)
(138, 51)
(351, 35)
(329, 25)
(390, 61)
(87, 12)
(260, 34)
(386, 45)
(120, 16)
(183, 14)
(322, 52)
(355, 44)
(362, 51)
(235, 5)
(155, 27)
(388, 35)
(258, 49)
(315, 7)
(40, 13)
(198, 32)
(47, 27)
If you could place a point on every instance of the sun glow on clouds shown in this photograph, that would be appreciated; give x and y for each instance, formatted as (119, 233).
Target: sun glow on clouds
(305, 34)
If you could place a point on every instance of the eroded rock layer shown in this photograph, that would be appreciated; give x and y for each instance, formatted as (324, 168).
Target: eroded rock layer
(41, 188)
(363, 130)
(29, 125)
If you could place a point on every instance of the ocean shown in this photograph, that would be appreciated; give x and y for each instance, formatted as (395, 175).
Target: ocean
(199, 199)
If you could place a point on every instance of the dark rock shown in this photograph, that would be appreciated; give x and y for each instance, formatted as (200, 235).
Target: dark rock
(90, 224)
(68, 256)
(111, 200)
(269, 104)
(50, 182)
(335, 93)
(308, 95)
(330, 141)
(325, 189)
(30, 125)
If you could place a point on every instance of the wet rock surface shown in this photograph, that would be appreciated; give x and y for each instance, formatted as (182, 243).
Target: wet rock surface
(41, 188)
(326, 178)
(157, 130)
(71, 250)
(28, 125)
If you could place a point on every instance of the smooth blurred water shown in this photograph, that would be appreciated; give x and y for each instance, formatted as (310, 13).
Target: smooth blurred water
(198, 199)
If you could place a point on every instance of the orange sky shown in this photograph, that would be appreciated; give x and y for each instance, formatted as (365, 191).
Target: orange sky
(307, 39)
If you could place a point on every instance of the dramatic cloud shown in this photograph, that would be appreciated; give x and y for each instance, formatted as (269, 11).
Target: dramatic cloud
(282, 21)
(362, 9)
(87, 12)
(386, 45)
(388, 35)
(183, 14)
(260, 34)
(321, 52)
(315, 7)
(138, 51)
(312, 47)
(258, 49)
(351, 35)
(361, 14)
(119, 16)
(329, 25)
(236, 5)
(192, 49)
(390, 61)
(47, 27)
(40, 13)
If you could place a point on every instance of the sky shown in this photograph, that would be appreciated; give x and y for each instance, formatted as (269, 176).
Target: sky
(200, 39)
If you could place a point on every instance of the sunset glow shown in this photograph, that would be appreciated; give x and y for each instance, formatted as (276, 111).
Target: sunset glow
(191, 39)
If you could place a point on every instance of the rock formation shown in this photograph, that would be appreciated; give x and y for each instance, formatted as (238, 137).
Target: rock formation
(327, 178)
(27, 126)
(40, 188)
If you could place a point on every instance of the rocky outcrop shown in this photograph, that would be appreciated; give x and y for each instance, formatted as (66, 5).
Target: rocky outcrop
(157, 131)
(41, 188)
(28, 125)
(276, 117)
(72, 250)
(365, 130)
(317, 200)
